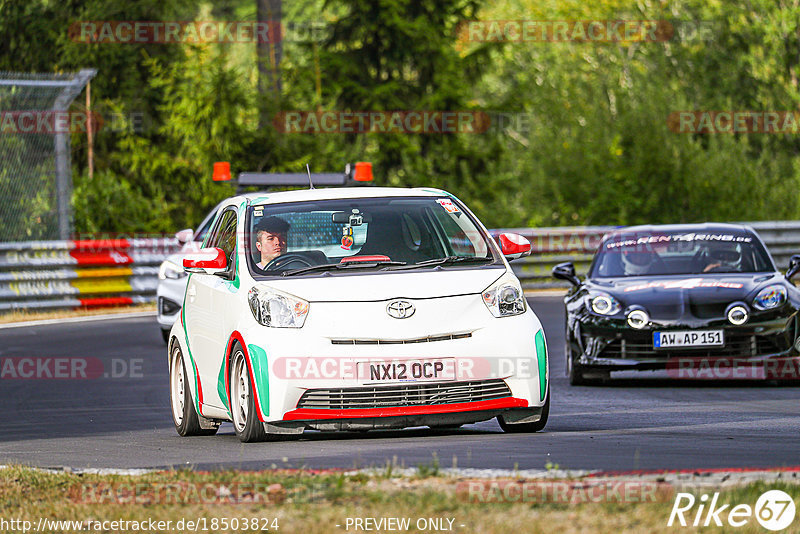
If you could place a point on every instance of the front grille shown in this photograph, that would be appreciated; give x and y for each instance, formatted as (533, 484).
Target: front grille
(709, 310)
(427, 339)
(404, 395)
(639, 345)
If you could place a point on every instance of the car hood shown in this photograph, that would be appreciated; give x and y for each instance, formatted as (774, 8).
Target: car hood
(366, 287)
(669, 297)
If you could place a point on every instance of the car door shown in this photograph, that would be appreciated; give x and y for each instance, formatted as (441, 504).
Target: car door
(207, 337)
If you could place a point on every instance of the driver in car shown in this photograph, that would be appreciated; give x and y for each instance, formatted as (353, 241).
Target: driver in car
(271, 239)
(723, 257)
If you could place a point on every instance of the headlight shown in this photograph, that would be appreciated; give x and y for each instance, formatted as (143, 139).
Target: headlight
(738, 315)
(770, 297)
(276, 309)
(638, 319)
(170, 270)
(504, 298)
(603, 304)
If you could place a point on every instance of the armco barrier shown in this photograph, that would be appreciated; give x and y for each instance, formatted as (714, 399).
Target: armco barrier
(66, 274)
(85, 273)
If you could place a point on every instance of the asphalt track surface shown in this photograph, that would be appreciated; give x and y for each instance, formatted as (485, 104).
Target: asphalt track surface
(634, 423)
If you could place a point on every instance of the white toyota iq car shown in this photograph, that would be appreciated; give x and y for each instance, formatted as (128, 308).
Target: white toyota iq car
(354, 309)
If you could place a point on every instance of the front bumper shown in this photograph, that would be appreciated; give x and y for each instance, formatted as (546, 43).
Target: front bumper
(484, 348)
(613, 346)
(402, 417)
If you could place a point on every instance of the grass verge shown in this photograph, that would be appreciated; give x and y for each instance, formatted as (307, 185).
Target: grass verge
(324, 502)
(19, 316)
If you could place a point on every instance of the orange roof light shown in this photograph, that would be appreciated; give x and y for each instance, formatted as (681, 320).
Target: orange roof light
(222, 171)
(363, 172)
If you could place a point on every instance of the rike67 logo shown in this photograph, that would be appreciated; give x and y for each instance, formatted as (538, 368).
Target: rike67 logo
(774, 510)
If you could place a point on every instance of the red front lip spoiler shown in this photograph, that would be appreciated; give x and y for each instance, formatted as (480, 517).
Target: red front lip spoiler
(318, 413)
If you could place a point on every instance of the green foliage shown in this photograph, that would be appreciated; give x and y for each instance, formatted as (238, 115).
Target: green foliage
(579, 135)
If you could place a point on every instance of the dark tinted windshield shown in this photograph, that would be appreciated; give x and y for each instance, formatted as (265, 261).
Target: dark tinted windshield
(406, 229)
(660, 253)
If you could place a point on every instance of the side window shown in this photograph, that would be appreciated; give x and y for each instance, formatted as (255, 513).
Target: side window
(224, 237)
(200, 235)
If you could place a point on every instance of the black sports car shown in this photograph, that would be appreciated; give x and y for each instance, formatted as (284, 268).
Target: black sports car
(657, 295)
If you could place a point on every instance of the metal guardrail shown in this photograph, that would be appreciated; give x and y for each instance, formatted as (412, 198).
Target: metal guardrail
(93, 273)
(80, 274)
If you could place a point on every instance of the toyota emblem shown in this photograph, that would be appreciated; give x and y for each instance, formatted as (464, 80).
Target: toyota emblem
(400, 309)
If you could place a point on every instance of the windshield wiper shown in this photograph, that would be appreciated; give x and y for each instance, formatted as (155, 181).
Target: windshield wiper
(442, 261)
(343, 266)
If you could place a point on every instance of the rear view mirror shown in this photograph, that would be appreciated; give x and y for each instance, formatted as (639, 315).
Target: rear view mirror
(794, 266)
(207, 261)
(514, 246)
(184, 236)
(353, 219)
(566, 271)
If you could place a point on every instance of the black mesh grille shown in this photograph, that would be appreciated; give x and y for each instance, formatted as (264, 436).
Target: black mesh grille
(428, 339)
(404, 395)
(639, 345)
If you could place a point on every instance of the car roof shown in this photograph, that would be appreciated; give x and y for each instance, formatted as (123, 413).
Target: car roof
(332, 193)
(675, 228)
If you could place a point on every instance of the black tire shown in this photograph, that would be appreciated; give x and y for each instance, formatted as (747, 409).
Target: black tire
(188, 424)
(525, 428)
(165, 335)
(245, 421)
(574, 371)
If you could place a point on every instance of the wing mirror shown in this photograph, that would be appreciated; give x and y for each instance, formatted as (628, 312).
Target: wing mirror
(514, 246)
(184, 236)
(566, 271)
(207, 261)
(794, 266)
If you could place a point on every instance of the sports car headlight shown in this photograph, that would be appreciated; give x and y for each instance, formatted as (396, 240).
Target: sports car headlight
(603, 304)
(770, 297)
(505, 298)
(276, 309)
(170, 270)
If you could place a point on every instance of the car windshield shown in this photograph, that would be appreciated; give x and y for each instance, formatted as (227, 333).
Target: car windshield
(664, 253)
(397, 232)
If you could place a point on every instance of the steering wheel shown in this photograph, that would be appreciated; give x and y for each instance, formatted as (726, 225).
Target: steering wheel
(718, 268)
(284, 260)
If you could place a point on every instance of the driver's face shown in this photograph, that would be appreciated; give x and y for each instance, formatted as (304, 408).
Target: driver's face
(271, 246)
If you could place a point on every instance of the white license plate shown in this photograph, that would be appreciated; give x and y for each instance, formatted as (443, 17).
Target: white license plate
(432, 370)
(688, 338)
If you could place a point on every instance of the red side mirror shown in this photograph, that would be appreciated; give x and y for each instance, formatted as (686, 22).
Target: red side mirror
(207, 258)
(514, 246)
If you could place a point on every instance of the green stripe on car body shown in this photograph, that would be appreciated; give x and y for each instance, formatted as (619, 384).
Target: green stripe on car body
(258, 360)
(223, 392)
(541, 356)
(188, 349)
